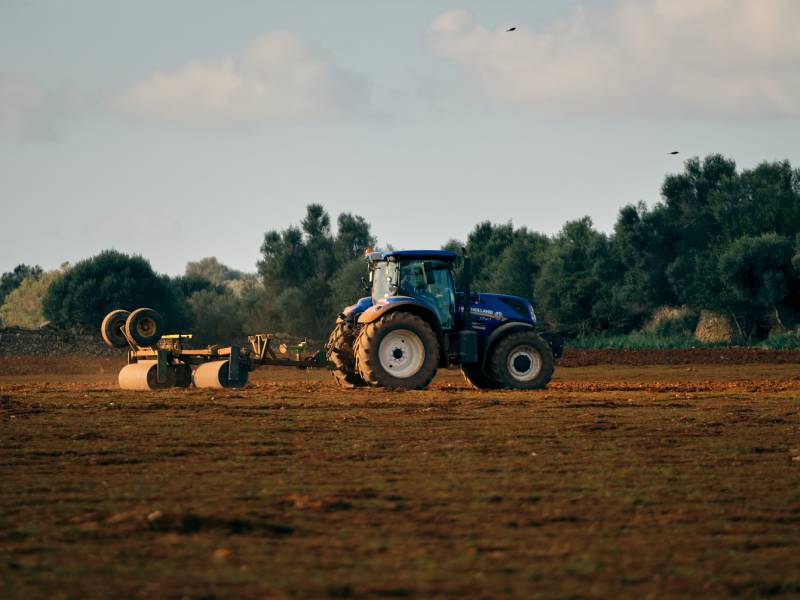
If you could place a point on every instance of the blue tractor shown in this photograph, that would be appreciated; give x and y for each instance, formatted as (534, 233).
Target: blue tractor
(415, 321)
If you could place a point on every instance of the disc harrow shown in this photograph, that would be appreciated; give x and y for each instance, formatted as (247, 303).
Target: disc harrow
(157, 361)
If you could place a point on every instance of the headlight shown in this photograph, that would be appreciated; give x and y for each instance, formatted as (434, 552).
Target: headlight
(533, 314)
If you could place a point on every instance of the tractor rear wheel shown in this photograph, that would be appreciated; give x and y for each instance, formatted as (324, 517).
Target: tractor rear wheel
(479, 378)
(521, 360)
(399, 350)
(339, 351)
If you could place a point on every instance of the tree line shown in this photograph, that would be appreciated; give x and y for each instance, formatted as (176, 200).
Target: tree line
(720, 239)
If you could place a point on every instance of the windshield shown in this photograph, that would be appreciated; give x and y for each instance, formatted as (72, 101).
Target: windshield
(384, 280)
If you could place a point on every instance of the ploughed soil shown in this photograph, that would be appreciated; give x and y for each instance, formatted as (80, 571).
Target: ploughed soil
(635, 474)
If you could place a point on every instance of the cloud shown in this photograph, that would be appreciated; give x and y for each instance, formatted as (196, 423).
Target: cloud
(644, 57)
(29, 109)
(274, 78)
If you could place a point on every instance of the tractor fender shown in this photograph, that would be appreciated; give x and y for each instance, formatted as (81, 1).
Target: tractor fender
(376, 311)
(501, 331)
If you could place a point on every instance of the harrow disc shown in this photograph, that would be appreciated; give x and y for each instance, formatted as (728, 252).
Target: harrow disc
(143, 375)
(215, 375)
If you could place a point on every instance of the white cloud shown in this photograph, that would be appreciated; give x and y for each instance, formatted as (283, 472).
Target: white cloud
(645, 57)
(274, 78)
(28, 109)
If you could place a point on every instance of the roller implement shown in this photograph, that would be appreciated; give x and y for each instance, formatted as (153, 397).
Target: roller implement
(158, 361)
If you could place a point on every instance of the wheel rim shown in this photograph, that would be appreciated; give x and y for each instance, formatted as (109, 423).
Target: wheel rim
(146, 327)
(401, 353)
(524, 363)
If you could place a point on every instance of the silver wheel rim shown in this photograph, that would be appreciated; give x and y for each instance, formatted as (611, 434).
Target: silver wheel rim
(524, 363)
(401, 353)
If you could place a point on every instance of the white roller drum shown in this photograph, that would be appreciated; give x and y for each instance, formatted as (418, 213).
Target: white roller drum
(143, 375)
(215, 375)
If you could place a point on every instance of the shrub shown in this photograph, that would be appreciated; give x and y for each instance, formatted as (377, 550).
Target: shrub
(13, 279)
(217, 317)
(638, 340)
(672, 322)
(110, 280)
(23, 306)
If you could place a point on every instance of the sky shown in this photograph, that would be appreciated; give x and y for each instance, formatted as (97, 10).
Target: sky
(181, 129)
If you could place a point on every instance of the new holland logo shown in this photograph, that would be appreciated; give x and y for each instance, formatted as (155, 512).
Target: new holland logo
(484, 312)
(487, 312)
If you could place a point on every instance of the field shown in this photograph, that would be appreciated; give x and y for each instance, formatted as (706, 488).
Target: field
(620, 480)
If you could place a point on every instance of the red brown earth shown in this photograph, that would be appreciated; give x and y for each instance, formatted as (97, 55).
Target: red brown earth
(635, 474)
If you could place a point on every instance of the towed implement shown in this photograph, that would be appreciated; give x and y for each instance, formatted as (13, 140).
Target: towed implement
(158, 361)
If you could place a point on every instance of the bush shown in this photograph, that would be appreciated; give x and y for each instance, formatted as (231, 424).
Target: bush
(671, 322)
(217, 317)
(110, 280)
(783, 341)
(211, 269)
(13, 279)
(639, 340)
(23, 306)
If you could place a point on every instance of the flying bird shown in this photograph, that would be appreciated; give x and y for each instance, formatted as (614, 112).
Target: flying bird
(674, 152)
(511, 29)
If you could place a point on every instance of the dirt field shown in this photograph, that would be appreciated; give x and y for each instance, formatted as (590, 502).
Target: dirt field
(634, 480)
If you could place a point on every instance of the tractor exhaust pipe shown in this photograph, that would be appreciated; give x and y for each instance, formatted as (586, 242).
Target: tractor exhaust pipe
(467, 338)
(467, 320)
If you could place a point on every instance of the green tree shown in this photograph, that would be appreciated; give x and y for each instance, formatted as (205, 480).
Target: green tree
(758, 272)
(110, 280)
(13, 279)
(575, 287)
(211, 269)
(349, 283)
(23, 306)
(298, 268)
(504, 259)
(218, 317)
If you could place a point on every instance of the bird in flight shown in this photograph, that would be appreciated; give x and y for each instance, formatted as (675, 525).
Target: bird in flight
(674, 152)
(511, 29)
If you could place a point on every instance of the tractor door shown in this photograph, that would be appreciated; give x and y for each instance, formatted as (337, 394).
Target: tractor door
(432, 282)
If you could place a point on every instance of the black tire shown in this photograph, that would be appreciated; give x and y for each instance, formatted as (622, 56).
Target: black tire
(409, 346)
(478, 378)
(339, 351)
(145, 326)
(521, 360)
(113, 329)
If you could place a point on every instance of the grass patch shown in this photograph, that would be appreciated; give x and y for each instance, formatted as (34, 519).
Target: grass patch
(640, 340)
(783, 341)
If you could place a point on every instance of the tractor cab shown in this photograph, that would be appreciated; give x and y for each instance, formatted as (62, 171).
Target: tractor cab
(423, 276)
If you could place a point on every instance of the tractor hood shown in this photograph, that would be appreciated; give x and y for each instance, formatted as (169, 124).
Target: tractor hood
(502, 307)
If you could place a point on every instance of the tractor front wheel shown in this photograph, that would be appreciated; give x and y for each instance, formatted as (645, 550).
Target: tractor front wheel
(340, 352)
(521, 360)
(399, 350)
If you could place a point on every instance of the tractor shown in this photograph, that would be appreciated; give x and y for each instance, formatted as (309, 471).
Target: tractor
(414, 322)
